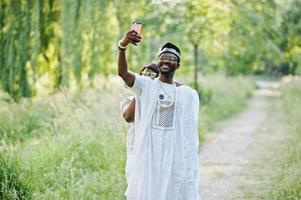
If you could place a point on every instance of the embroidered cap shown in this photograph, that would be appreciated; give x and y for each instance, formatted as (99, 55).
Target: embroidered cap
(170, 48)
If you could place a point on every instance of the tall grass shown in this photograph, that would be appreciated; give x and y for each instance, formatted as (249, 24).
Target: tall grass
(78, 149)
(288, 171)
(72, 145)
(11, 186)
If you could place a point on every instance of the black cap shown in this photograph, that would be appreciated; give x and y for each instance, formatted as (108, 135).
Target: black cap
(170, 48)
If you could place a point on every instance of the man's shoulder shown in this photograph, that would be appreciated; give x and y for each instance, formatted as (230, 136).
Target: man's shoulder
(187, 88)
(189, 92)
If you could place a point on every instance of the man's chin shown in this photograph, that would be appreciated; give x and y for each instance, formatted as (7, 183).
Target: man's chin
(165, 72)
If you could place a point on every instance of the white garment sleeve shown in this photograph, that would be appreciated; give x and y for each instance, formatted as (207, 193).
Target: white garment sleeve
(139, 84)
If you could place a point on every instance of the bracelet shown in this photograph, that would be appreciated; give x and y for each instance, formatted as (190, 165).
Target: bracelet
(121, 49)
(120, 46)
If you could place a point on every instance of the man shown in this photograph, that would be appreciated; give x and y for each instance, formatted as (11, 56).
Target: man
(128, 108)
(165, 159)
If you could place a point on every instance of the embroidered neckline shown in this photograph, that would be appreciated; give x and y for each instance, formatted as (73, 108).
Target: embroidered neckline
(162, 105)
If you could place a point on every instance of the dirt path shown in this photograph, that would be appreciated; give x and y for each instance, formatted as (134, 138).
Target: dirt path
(225, 157)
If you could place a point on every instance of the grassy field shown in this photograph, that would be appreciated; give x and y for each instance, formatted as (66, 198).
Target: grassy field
(72, 145)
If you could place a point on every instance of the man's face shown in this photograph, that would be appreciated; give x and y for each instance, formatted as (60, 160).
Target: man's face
(168, 63)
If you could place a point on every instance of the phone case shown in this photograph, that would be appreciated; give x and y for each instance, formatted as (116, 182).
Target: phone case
(137, 27)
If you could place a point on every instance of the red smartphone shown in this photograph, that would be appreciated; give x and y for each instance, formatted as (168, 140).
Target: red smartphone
(137, 26)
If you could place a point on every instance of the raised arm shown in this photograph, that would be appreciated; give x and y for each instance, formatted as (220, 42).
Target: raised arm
(130, 37)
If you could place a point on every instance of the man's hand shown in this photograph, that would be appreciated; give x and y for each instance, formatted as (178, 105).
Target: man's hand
(130, 37)
(128, 77)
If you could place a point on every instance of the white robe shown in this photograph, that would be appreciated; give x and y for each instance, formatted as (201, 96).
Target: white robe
(178, 178)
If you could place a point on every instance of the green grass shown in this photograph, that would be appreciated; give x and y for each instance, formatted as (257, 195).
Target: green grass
(72, 145)
(288, 167)
(11, 186)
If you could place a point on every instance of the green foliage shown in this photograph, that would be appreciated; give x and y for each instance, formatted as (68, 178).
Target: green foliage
(254, 37)
(14, 41)
(291, 40)
(45, 45)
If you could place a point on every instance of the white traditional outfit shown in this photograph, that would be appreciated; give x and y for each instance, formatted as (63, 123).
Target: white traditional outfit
(165, 152)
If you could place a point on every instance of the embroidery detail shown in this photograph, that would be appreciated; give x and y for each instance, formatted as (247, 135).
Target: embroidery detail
(166, 115)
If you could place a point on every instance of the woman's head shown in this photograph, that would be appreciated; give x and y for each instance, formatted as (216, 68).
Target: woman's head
(150, 70)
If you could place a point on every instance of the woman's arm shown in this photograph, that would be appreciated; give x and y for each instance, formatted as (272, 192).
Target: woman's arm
(129, 113)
